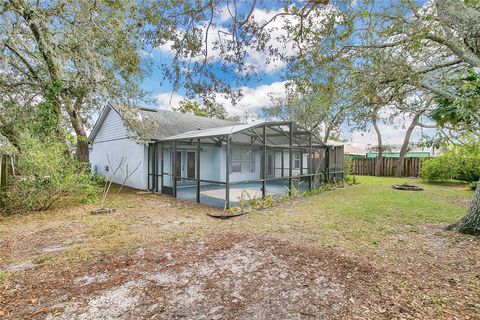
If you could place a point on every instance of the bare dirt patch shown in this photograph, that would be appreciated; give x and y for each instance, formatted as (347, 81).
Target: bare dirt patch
(227, 275)
(356, 253)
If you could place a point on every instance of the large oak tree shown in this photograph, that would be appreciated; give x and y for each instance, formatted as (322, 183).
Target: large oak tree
(77, 54)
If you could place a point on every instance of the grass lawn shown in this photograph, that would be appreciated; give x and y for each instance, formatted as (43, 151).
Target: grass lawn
(366, 251)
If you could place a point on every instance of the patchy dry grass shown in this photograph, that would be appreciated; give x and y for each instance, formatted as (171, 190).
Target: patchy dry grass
(366, 251)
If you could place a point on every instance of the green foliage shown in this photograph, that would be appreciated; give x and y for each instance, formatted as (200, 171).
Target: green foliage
(458, 162)
(48, 114)
(248, 203)
(473, 185)
(293, 192)
(46, 174)
(209, 109)
(3, 277)
(347, 166)
(351, 180)
(465, 108)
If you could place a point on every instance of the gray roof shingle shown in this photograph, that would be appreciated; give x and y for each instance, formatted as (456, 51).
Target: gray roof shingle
(170, 123)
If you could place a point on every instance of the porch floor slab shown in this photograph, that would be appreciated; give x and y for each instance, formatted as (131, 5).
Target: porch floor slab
(214, 195)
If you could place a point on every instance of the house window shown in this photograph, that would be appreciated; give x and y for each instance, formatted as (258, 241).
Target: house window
(243, 160)
(296, 160)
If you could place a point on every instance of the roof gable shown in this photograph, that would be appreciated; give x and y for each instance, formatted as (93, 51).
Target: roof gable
(160, 123)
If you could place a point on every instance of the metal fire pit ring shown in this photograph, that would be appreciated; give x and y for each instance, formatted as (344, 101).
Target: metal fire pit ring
(407, 187)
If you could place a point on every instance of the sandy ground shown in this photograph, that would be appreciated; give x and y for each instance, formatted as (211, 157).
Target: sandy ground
(228, 276)
(158, 258)
(234, 276)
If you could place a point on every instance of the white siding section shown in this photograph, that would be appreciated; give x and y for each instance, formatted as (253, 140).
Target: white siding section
(112, 128)
(210, 163)
(112, 141)
(135, 154)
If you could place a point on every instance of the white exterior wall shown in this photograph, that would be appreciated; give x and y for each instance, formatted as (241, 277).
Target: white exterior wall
(286, 164)
(113, 140)
(213, 165)
(242, 176)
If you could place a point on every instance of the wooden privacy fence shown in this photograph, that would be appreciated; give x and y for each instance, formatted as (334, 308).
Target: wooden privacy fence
(366, 166)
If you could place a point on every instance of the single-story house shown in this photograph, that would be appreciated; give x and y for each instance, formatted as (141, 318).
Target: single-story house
(207, 160)
(349, 150)
(354, 152)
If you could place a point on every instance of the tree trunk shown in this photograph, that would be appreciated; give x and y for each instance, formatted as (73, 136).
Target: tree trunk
(82, 152)
(10, 133)
(461, 18)
(378, 164)
(470, 223)
(406, 141)
(327, 134)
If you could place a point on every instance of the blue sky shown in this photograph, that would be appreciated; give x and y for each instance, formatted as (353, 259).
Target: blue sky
(256, 92)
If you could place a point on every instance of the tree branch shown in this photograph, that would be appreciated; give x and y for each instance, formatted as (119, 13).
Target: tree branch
(438, 91)
(462, 52)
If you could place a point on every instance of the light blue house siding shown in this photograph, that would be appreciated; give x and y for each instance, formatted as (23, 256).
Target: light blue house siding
(215, 161)
(113, 142)
(111, 139)
(213, 165)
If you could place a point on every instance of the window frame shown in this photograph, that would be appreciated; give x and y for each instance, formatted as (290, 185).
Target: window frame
(295, 159)
(245, 163)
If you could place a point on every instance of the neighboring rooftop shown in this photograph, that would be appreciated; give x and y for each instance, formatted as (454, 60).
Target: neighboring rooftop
(349, 149)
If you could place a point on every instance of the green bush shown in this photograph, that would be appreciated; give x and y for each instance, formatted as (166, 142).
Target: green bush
(45, 173)
(458, 162)
(347, 166)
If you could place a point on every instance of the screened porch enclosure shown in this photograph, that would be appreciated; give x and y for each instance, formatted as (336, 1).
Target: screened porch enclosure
(219, 166)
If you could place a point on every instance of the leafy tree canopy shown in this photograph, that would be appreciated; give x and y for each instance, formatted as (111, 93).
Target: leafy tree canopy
(209, 109)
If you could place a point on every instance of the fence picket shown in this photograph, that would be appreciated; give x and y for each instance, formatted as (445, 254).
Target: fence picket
(366, 166)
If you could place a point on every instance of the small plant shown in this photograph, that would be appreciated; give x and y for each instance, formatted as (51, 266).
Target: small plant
(268, 201)
(354, 180)
(253, 202)
(3, 277)
(233, 210)
(472, 186)
(293, 192)
(242, 203)
(328, 187)
(351, 180)
(108, 183)
(435, 299)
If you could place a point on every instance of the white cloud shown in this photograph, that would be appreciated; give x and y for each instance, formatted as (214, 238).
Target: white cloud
(256, 98)
(168, 100)
(392, 134)
(253, 100)
(246, 108)
(258, 61)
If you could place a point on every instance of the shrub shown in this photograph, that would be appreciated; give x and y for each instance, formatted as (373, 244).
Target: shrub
(349, 177)
(458, 162)
(46, 173)
(347, 166)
